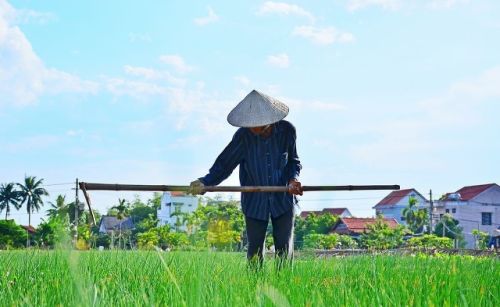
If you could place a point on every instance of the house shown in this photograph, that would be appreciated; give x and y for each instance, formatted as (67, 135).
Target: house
(111, 224)
(173, 205)
(475, 207)
(355, 226)
(341, 212)
(393, 204)
(30, 229)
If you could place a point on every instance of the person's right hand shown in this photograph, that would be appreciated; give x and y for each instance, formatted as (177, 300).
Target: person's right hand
(196, 188)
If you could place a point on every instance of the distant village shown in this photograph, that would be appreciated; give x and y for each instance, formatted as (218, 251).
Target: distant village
(474, 207)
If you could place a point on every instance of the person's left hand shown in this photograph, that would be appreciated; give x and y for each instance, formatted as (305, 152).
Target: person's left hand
(295, 187)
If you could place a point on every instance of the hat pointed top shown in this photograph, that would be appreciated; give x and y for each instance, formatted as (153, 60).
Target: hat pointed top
(257, 109)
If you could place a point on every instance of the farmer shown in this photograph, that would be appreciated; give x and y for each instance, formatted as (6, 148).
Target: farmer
(265, 149)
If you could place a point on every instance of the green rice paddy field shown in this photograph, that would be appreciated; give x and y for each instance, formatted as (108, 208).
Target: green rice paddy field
(130, 278)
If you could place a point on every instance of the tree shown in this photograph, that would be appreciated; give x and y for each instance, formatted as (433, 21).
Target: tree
(122, 212)
(381, 236)
(449, 227)
(9, 196)
(481, 238)
(313, 224)
(31, 193)
(11, 235)
(59, 208)
(415, 218)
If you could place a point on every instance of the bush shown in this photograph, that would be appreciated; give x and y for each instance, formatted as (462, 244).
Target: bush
(323, 241)
(11, 235)
(430, 241)
(381, 236)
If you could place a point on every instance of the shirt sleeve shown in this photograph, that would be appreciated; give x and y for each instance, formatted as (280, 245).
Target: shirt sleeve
(294, 165)
(226, 162)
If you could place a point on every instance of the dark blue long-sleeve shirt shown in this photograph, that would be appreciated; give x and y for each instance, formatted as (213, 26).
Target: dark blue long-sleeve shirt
(270, 161)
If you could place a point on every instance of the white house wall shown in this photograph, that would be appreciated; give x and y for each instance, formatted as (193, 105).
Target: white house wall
(468, 213)
(394, 211)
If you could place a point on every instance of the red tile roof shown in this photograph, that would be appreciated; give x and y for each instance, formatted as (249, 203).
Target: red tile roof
(469, 192)
(30, 228)
(395, 196)
(349, 225)
(177, 193)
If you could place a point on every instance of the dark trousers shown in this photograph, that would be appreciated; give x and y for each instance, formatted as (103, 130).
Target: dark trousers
(282, 235)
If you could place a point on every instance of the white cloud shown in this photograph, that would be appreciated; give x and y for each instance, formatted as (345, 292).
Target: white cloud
(433, 127)
(153, 74)
(31, 16)
(243, 80)
(353, 5)
(177, 62)
(140, 90)
(323, 36)
(445, 4)
(32, 143)
(279, 60)
(283, 8)
(211, 18)
(23, 76)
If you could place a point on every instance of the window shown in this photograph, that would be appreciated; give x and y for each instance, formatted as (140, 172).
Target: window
(485, 218)
(447, 210)
(441, 216)
(454, 210)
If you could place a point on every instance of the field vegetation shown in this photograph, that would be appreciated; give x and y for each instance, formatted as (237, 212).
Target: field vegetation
(116, 278)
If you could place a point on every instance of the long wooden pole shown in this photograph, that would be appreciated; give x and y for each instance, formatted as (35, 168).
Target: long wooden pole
(184, 188)
(87, 186)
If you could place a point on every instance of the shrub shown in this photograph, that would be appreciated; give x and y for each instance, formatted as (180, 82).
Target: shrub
(430, 241)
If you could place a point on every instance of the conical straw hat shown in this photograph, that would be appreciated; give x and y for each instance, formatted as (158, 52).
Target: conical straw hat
(256, 110)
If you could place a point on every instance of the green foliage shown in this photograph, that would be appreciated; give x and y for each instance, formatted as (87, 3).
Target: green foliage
(9, 196)
(52, 233)
(313, 224)
(414, 217)
(117, 278)
(321, 241)
(329, 241)
(481, 238)
(11, 235)
(346, 241)
(380, 236)
(430, 241)
(148, 240)
(449, 227)
(31, 193)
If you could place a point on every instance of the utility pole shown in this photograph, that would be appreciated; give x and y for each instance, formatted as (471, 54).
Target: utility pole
(431, 211)
(76, 210)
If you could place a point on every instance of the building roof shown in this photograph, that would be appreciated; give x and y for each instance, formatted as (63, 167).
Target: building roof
(359, 225)
(395, 196)
(113, 223)
(469, 192)
(29, 228)
(332, 211)
(178, 193)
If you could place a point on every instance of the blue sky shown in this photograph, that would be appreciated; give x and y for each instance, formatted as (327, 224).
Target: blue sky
(381, 91)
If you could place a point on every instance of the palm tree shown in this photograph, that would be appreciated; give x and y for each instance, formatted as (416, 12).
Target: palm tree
(31, 194)
(59, 208)
(122, 212)
(415, 218)
(9, 196)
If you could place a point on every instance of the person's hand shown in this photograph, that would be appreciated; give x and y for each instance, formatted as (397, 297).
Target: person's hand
(196, 188)
(295, 187)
